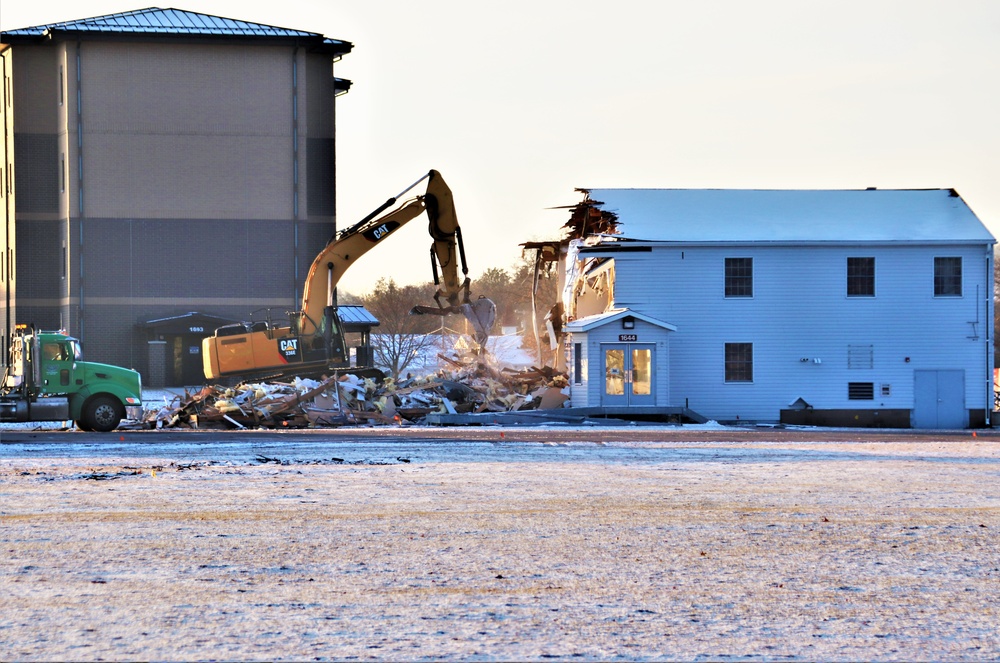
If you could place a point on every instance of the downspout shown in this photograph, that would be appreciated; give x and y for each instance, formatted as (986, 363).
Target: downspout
(79, 184)
(365, 337)
(988, 328)
(295, 176)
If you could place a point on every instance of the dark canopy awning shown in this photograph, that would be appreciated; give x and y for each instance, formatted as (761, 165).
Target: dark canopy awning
(188, 323)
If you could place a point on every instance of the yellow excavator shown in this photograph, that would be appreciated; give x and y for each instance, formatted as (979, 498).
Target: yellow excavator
(313, 342)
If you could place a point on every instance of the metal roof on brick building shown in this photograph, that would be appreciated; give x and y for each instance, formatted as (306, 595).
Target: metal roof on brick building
(169, 22)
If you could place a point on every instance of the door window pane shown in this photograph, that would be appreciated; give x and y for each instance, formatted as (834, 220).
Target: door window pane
(614, 372)
(642, 383)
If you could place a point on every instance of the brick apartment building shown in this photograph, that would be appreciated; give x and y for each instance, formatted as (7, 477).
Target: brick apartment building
(162, 172)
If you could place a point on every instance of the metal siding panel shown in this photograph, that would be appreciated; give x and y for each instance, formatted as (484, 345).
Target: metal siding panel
(661, 367)
(800, 310)
(319, 177)
(38, 261)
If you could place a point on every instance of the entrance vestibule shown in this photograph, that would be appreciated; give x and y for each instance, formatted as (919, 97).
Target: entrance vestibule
(629, 374)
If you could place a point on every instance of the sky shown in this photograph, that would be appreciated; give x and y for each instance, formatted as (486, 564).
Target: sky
(518, 103)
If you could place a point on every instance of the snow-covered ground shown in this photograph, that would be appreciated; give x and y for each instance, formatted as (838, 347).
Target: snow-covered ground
(502, 351)
(351, 548)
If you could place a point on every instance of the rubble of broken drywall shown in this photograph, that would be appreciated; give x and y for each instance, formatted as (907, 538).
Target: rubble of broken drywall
(470, 385)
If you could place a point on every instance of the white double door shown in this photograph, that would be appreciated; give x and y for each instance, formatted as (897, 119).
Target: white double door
(629, 374)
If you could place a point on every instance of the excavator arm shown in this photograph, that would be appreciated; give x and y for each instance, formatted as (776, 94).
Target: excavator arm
(447, 244)
(446, 249)
(314, 339)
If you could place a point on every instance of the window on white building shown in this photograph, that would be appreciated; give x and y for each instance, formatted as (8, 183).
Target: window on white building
(861, 277)
(739, 362)
(739, 277)
(947, 277)
(578, 363)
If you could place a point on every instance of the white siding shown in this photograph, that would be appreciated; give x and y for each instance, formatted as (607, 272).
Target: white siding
(800, 310)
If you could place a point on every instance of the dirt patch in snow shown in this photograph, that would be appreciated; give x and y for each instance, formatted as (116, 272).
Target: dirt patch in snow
(864, 551)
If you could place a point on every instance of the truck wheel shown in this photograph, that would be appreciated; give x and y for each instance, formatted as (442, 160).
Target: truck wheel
(102, 413)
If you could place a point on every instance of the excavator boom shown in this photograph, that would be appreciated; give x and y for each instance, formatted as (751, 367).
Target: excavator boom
(331, 263)
(314, 341)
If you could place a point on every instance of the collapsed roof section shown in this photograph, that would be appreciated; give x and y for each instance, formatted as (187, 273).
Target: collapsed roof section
(588, 218)
(585, 285)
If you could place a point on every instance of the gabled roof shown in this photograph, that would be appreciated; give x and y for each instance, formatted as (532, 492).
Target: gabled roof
(742, 215)
(168, 22)
(594, 321)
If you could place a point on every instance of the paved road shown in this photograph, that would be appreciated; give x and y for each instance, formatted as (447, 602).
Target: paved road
(376, 445)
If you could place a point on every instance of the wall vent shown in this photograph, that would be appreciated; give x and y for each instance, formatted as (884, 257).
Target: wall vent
(861, 391)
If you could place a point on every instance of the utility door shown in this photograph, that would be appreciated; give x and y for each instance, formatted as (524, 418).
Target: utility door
(187, 363)
(628, 374)
(939, 399)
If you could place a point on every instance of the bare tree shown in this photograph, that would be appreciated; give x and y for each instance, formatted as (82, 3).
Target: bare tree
(495, 284)
(400, 336)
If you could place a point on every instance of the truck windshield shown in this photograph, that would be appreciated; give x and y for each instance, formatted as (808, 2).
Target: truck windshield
(75, 348)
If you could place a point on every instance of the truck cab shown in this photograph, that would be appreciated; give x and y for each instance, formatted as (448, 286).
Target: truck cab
(47, 380)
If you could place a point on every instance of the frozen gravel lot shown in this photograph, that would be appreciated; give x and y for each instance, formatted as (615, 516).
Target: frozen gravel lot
(679, 548)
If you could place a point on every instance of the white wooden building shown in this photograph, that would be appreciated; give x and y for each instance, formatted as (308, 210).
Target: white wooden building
(864, 307)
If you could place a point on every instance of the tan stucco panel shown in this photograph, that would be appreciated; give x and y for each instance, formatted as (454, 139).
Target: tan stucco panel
(217, 121)
(192, 176)
(36, 87)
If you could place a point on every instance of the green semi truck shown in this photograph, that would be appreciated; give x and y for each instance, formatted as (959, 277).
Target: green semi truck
(47, 380)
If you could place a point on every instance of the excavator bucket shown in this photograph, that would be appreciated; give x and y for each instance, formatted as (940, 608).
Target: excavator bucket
(481, 314)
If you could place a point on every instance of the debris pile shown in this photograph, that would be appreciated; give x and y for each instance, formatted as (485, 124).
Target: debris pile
(470, 386)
